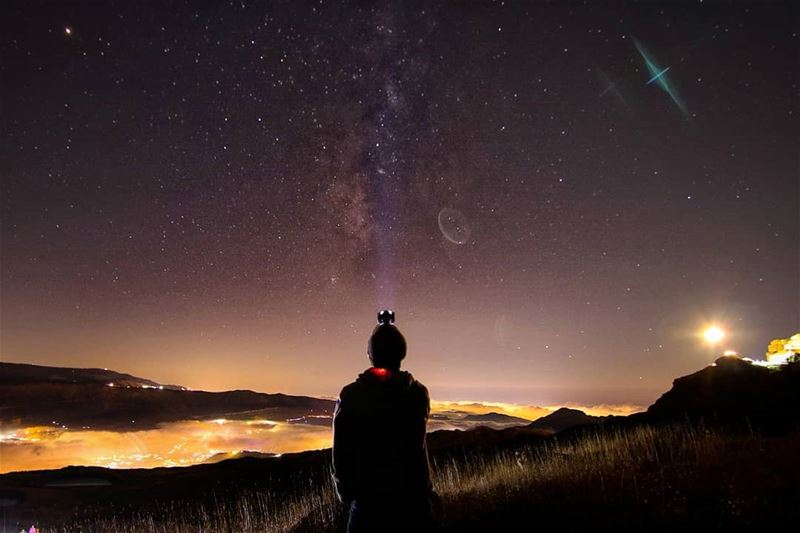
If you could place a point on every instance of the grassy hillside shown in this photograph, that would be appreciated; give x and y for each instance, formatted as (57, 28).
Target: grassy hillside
(647, 478)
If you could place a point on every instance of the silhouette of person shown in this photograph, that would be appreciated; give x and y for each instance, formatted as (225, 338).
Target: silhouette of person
(380, 458)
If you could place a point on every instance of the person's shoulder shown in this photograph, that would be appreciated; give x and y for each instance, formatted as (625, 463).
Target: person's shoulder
(421, 389)
(421, 396)
(349, 390)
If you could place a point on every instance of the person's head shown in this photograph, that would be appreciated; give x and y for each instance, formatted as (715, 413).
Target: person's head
(386, 347)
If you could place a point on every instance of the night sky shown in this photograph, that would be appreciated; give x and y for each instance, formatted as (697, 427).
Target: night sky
(222, 195)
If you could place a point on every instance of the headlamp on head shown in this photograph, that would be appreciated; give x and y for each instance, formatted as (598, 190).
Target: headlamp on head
(385, 316)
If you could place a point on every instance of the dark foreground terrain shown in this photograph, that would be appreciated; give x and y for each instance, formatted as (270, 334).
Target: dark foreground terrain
(638, 479)
(692, 462)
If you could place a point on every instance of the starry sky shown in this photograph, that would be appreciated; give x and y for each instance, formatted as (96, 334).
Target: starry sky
(555, 197)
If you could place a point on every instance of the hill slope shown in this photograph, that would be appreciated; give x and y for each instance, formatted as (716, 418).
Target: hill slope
(565, 418)
(733, 391)
(33, 395)
(496, 418)
(26, 374)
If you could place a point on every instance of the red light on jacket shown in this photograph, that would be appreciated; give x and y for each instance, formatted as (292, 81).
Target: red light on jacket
(380, 372)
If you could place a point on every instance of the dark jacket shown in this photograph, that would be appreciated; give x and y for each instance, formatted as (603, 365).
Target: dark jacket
(379, 448)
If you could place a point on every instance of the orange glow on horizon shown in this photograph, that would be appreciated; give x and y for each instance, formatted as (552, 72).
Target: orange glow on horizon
(193, 442)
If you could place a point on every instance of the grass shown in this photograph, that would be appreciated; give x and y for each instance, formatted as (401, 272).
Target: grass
(643, 479)
(648, 479)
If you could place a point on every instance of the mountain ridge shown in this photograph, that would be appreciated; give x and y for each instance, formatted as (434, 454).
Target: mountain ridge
(500, 418)
(565, 418)
(28, 374)
(733, 391)
(33, 395)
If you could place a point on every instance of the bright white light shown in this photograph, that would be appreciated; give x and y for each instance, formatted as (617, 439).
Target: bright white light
(713, 335)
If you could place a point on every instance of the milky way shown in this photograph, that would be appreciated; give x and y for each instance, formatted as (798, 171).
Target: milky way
(223, 196)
